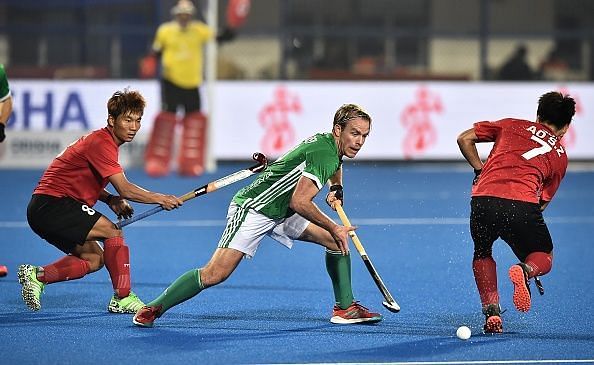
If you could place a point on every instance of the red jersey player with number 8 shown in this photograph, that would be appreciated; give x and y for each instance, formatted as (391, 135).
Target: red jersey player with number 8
(62, 209)
(509, 193)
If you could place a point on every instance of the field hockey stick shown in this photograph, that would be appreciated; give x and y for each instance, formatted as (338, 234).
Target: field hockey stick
(208, 188)
(539, 285)
(389, 302)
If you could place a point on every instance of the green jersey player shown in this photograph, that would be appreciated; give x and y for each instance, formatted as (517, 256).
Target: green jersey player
(5, 111)
(5, 102)
(279, 204)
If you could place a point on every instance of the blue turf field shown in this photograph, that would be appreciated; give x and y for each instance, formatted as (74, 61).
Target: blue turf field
(275, 309)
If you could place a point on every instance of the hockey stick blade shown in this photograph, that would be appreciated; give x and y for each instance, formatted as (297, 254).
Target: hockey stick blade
(392, 307)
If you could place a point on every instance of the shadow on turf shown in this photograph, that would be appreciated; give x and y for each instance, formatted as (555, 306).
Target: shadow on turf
(26, 318)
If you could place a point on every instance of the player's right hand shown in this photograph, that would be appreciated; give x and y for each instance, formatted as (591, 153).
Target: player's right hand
(341, 237)
(170, 202)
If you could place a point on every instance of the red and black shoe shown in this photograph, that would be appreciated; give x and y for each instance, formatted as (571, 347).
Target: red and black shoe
(493, 321)
(355, 313)
(146, 316)
(518, 274)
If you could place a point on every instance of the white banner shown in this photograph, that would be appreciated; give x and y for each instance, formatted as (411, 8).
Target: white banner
(42, 105)
(411, 120)
(417, 121)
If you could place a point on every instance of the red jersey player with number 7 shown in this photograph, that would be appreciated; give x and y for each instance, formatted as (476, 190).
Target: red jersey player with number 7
(509, 193)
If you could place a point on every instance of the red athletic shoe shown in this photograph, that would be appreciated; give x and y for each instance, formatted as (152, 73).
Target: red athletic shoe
(355, 313)
(518, 275)
(145, 317)
(493, 321)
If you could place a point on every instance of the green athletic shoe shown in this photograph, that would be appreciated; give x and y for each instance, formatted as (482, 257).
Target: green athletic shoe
(130, 304)
(32, 288)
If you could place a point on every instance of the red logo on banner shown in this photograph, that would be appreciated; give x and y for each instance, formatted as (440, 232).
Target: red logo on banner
(570, 138)
(416, 118)
(274, 117)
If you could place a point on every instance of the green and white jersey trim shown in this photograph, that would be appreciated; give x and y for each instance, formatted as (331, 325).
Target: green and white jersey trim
(314, 178)
(316, 158)
(283, 185)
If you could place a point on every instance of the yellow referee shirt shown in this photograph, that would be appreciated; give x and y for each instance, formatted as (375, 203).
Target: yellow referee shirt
(182, 52)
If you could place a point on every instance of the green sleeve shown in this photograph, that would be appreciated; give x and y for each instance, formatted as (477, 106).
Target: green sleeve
(320, 164)
(4, 89)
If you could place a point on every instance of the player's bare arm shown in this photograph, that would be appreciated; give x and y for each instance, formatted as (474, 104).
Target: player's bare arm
(5, 110)
(133, 192)
(302, 203)
(467, 142)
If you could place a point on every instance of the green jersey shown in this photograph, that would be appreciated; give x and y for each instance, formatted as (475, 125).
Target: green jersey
(270, 194)
(4, 90)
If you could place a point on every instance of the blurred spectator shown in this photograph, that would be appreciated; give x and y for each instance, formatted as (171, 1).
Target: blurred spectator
(554, 67)
(516, 67)
(179, 43)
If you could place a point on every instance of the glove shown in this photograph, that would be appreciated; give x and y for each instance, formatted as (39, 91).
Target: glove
(477, 173)
(2, 134)
(226, 35)
(338, 194)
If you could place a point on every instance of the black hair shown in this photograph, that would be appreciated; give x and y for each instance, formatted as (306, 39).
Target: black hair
(125, 101)
(556, 109)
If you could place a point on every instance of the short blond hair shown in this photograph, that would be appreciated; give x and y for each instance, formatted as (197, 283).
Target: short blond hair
(348, 112)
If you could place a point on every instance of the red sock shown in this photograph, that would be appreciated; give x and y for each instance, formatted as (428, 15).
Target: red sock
(117, 261)
(540, 262)
(485, 276)
(67, 268)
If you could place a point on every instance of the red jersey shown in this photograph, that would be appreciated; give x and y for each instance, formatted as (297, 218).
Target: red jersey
(527, 162)
(82, 170)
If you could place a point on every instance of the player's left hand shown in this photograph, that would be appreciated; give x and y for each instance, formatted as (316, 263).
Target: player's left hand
(2, 134)
(121, 207)
(477, 174)
(335, 194)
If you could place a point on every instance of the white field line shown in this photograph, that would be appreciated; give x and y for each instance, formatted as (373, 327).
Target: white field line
(477, 362)
(357, 221)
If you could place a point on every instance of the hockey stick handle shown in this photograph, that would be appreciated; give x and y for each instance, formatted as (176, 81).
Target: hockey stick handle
(345, 222)
(390, 303)
(205, 189)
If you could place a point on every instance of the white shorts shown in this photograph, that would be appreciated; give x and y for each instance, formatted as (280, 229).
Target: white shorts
(245, 229)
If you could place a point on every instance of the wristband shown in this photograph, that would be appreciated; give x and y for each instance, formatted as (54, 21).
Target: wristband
(336, 187)
(338, 191)
(108, 198)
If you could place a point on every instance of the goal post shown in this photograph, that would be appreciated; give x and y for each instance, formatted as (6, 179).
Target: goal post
(212, 11)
